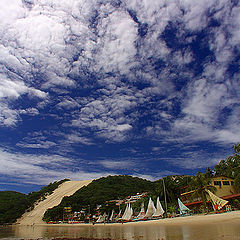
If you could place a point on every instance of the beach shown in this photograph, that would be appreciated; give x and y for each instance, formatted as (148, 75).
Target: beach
(70, 187)
(201, 226)
(197, 219)
(225, 226)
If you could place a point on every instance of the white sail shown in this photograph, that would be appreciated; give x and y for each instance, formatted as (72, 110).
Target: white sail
(142, 212)
(217, 202)
(100, 219)
(104, 216)
(159, 210)
(125, 212)
(128, 213)
(151, 209)
(182, 208)
(119, 215)
(111, 217)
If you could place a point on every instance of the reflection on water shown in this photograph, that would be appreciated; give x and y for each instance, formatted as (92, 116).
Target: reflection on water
(227, 231)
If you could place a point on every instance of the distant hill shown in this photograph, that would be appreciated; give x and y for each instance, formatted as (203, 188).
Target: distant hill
(98, 192)
(113, 188)
(12, 206)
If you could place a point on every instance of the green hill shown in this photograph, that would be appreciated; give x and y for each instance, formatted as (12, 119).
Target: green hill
(112, 188)
(12, 206)
(98, 192)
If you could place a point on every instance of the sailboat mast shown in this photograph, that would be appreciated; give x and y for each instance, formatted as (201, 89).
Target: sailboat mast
(165, 197)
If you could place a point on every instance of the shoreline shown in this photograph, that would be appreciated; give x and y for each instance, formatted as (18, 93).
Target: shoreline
(189, 220)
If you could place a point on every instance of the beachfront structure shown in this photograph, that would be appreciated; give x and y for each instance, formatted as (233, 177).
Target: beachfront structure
(224, 189)
(129, 199)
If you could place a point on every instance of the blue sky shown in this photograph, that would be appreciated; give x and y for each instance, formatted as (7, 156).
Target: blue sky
(92, 88)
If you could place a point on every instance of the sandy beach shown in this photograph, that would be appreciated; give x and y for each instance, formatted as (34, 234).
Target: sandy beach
(233, 216)
(70, 187)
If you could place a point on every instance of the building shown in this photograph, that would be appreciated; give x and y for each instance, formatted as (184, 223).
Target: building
(129, 199)
(224, 189)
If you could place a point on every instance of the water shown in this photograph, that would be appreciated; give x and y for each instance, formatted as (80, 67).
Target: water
(220, 231)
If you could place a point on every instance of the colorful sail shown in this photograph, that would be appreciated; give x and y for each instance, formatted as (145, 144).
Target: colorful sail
(159, 210)
(217, 202)
(182, 208)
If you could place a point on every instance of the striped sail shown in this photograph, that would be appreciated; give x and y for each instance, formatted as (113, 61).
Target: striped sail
(217, 202)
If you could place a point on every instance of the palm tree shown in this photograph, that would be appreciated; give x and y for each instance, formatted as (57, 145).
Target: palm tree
(200, 183)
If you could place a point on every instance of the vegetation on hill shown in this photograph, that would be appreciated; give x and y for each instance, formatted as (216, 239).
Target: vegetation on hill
(102, 190)
(98, 192)
(14, 204)
(45, 191)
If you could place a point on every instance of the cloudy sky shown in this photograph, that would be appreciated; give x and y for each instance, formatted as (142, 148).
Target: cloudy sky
(91, 88)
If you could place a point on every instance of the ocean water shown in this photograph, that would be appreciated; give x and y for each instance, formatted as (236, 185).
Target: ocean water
(213, 231)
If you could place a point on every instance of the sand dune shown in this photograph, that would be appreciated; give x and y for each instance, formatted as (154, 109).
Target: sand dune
(66, 189)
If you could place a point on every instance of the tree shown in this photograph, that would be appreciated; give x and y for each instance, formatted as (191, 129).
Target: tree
(231, 166)
(208, 172)
(200, 183)
(236, 147)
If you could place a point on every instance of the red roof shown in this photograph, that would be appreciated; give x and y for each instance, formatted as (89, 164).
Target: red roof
(192, 203)
(231, 196)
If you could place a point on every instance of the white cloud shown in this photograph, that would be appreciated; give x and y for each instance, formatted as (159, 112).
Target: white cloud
(117, 165)
(106, 114)
(118, 51)
(76, 138)
(8, 117)
(29, 111)
(11, 11)
(29, 168)
(11, 89)
(64, 45)
(39, 144)
(123, 127)
(202, 113)
(68, 103)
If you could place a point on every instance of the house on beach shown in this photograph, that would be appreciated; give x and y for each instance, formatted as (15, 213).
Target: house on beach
(225, 189)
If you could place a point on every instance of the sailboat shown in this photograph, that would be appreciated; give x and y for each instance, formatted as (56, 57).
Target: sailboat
(182, 208)
(217, 202)
(111, 217)
(142, 212)
(150, 210)
(118, 217)
(101, 218)
(127, 213)
(159, 210)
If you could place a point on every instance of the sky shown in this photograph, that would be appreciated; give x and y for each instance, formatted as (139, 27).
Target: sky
(93, 88)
